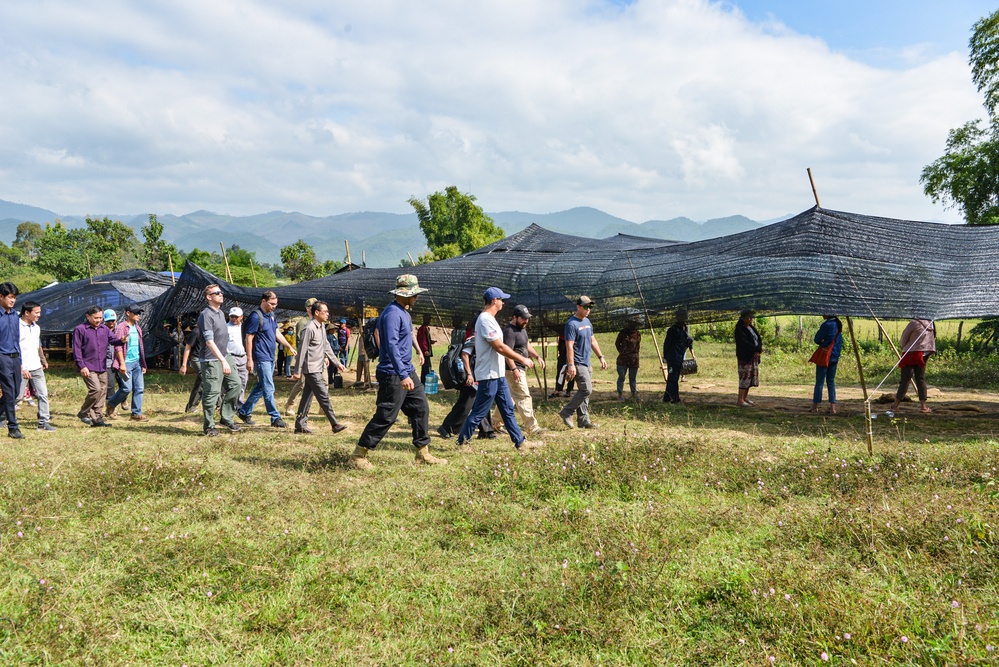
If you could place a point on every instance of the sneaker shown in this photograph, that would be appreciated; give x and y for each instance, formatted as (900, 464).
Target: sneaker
(31, 402)
(527, 445)
(109, 412)
(16, 434)
(568, 422)
(588, 425)
(555, 394)
(139, 418)
(278, 423)
(289, 410)
(339, 428)
(86, 420)
(99, 423)
(305, 430)
(230, 425)
(491, 435)
(246, 419)
(538, 430)
(46, 427)
(212, 433)
(443, 432)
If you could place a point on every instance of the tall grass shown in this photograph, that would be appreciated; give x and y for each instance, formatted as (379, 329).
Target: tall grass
(696, 534)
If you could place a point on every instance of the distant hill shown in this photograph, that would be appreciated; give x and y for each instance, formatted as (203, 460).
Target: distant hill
(384, 238)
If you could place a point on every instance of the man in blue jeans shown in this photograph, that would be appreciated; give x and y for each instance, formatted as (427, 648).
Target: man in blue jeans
(262, 337)
(130, 373)
(490, 373)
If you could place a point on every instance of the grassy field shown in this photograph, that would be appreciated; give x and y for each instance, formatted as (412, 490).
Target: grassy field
(696, 534)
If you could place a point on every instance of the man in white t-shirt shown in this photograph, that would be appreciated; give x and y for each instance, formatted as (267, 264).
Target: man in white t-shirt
(490, 373)
(33, 362)
(237, 350)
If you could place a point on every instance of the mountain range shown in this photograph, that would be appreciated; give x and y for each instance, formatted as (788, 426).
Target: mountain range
(383, 239)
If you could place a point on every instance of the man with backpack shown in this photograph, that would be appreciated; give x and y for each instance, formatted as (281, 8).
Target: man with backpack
(399, 387)
(490, 373)
(461, 369)
(262, 337)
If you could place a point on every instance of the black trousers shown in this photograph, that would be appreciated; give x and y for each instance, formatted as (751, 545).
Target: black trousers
(460, 411)
(428, 365)
(315, 386)
(672, 394)
(10, 380)
(392, 399)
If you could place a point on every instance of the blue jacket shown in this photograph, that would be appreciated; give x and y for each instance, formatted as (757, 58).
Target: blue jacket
(395, 333)
(827, 333)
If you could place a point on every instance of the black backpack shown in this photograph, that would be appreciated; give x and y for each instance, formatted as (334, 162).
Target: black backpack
(450, 375)
(368, 338)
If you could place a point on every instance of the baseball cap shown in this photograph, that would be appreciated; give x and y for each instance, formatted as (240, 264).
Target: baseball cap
(522, 312)
(109, 315)
(235, 311)
(495, 293)
(585, 301)
(134, 308)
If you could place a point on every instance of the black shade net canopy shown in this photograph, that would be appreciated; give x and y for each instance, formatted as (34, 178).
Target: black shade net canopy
(820, 261)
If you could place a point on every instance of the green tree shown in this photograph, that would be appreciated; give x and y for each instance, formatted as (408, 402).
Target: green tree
(967, 175)
(157, 252)
(26, 238)
(453, 223)
(240, 260)
(300, 262)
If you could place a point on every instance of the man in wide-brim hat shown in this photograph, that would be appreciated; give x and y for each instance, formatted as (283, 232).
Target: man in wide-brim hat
(399, 386)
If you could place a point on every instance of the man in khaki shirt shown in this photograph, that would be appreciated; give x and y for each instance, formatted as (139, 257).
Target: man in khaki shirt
(314, 354)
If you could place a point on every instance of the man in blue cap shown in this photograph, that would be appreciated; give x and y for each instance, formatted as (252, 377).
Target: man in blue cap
(399, 387)
(490, 373)
(129, 365)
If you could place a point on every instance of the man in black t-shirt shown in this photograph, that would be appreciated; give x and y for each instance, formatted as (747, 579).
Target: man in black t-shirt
(515, 336)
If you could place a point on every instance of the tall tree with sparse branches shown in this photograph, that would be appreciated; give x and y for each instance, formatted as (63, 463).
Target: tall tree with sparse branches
(967, 175)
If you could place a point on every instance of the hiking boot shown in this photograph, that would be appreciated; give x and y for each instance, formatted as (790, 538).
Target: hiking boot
(527, 445)
(46, 427)
(278, 423)
(230, 425)
(424, 456)
(491, 435)
(588, 425)
(109, 412)
(139, 418)
(302, 429)
(246, 419)
(359, 459)
(212, 433)
(567, 421)
(16, 434)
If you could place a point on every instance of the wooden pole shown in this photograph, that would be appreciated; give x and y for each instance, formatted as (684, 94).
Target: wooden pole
(655, 340)
(346, 246)
(898, 355)
(364, 262)
(90, 271)
(228, 273)
(863, 385)
(960, 326)
(544, 353)
(253, 273)
(815, 192)
(412, 262)
(173, 278)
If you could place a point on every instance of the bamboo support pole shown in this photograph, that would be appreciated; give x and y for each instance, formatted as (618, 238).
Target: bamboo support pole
(173, 278)
(346, 246)
(655, 340)
(815, 193)
(253, 273)
(225, 258)
(898, 355)
(863, 385)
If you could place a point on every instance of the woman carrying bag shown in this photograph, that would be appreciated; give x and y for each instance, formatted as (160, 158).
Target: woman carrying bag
(829, 338)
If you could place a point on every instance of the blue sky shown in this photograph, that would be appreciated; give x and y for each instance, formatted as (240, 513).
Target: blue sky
(876, 30)
(648, 110)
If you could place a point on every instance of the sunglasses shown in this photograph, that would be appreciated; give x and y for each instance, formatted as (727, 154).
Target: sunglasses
(215, 293)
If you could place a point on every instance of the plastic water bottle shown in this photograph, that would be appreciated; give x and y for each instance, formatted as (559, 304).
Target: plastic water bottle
(430, 386)
(461, 365)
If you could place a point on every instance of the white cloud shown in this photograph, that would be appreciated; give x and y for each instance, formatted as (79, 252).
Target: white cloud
(658, 109)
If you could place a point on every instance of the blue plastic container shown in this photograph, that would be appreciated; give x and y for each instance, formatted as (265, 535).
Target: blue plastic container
(430, 386)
